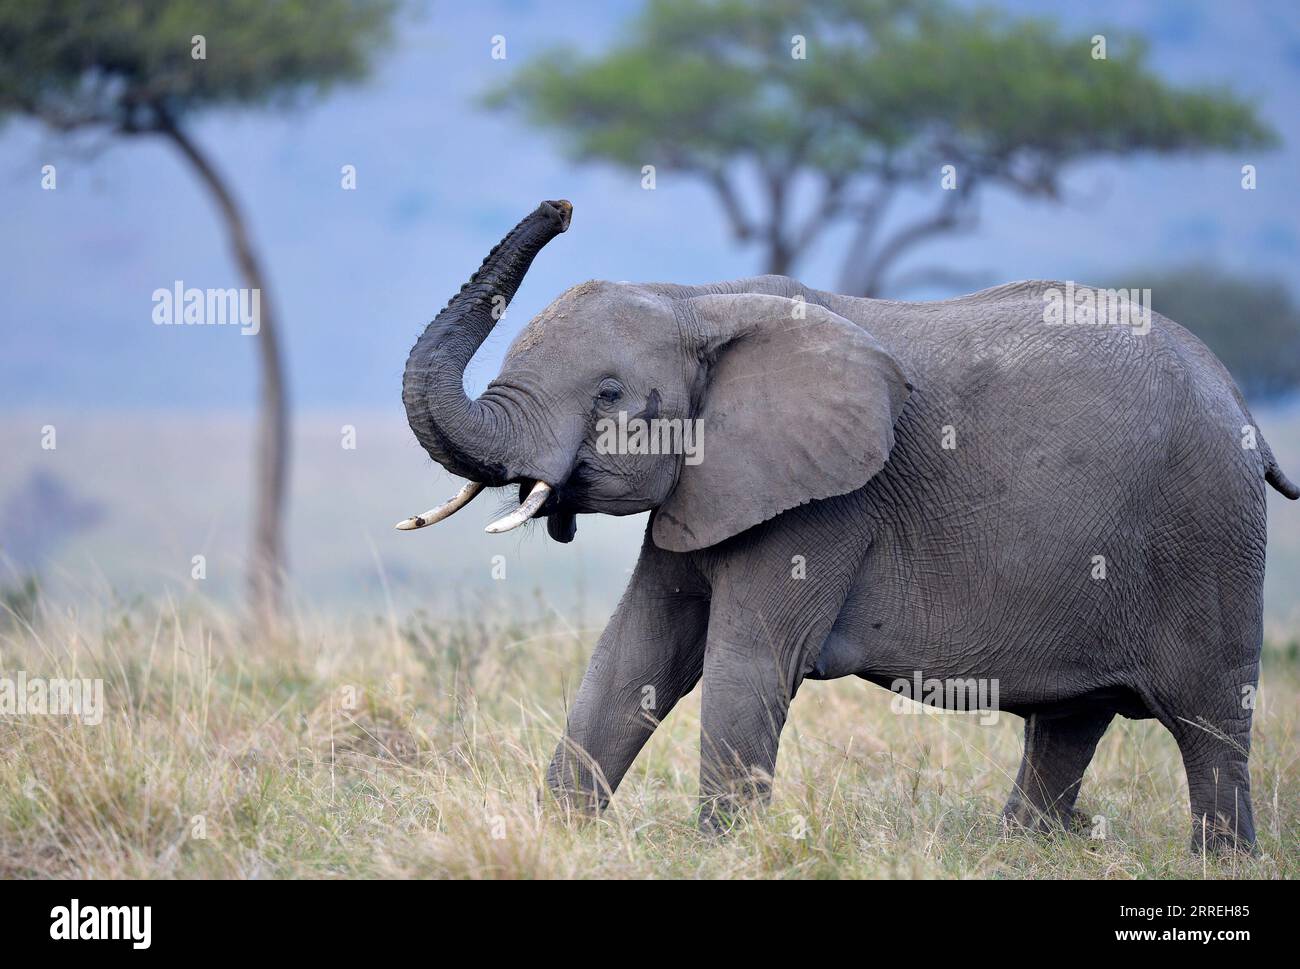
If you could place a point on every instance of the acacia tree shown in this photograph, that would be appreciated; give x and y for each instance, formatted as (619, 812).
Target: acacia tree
(146, 68)
(801, 115)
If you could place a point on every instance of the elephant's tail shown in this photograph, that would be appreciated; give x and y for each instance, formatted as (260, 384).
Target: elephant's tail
(1281, 482)
(1274, 476)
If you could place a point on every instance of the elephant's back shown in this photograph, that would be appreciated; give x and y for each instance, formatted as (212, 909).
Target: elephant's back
(1095, 403)
(1012, 337)
(1032, 458)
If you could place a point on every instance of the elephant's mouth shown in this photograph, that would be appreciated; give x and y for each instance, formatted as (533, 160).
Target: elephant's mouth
(561, 519)
(537, 499)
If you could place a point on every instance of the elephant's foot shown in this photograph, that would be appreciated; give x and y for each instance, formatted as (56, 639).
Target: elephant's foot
(722, 813)
(581, 798)
(1223, 835)
(572, 804)
(715, 823)
(1020, 815)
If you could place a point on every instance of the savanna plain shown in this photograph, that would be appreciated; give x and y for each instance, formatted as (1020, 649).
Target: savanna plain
(417, 747)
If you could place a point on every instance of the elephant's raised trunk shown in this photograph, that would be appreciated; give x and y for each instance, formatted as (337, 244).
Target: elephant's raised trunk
(470, 437)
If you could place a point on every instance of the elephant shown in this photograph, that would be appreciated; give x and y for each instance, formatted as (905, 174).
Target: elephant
(956, 489)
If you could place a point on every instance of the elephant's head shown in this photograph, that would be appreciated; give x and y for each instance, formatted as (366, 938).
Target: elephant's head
(793, 402)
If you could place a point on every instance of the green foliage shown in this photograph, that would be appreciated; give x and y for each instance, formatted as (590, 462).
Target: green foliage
(141, 67)
(115, 62)
(702, 80)
(889, 91)
(984, 88)
(1252, 325)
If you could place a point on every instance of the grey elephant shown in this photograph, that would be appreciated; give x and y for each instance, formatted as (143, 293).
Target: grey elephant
(956, 489)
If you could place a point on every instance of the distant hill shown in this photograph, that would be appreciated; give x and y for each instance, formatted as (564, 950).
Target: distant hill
(177, 487)
(173, 487)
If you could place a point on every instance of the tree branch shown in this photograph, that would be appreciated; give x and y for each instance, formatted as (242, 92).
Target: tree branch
(778, 252)
(825, 213)
(871, 213)
(741, 228)
(950, 216)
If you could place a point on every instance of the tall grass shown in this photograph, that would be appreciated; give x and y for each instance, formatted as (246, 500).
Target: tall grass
(417, 749)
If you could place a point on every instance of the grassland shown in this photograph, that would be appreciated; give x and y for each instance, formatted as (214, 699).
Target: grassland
(416, 748)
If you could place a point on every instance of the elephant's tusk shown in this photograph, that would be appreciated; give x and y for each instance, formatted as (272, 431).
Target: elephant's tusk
(527, 510)
(445, 510)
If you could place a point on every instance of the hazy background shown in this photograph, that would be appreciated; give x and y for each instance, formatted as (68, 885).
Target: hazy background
(154, 432)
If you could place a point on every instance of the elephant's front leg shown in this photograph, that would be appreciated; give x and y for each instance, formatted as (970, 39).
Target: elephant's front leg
(648, 657)
(748, 687)
(776, 593)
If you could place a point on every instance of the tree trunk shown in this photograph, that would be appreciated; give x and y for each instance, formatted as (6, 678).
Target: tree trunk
(777, 262)
(266, 561)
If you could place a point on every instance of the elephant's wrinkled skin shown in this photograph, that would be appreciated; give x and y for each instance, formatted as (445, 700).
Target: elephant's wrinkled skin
(968, 492)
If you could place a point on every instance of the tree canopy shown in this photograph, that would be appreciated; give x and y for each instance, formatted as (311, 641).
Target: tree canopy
(73, 63)
(885, 94)
(142, 67)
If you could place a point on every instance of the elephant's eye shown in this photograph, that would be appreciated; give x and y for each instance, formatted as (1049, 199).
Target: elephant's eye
(610, 392)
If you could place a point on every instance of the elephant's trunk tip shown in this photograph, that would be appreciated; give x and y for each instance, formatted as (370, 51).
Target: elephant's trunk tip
(564, 210)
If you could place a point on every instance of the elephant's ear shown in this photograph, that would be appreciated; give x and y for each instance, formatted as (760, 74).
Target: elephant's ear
(800, 404)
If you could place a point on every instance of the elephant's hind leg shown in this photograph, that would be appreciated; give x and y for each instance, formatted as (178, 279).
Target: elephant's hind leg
(1058, 750)
(1218, 782)
(1216, 752)
(1205, 697)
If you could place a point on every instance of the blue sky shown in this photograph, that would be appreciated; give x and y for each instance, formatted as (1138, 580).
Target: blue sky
(357, 274)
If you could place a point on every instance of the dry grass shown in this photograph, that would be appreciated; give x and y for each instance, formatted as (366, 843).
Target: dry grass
(434, 771)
